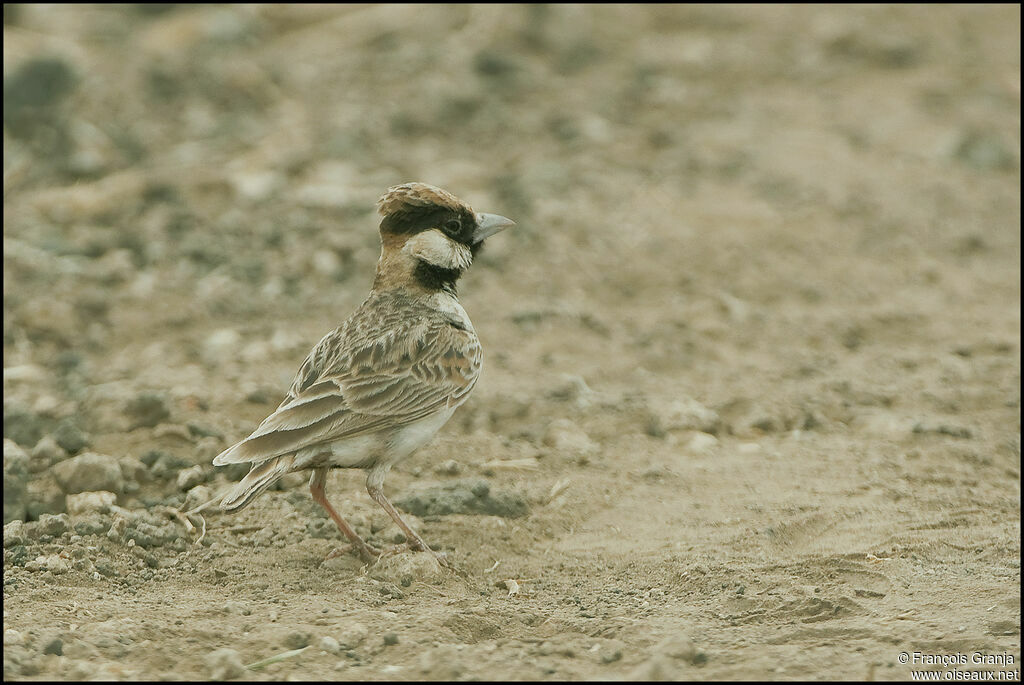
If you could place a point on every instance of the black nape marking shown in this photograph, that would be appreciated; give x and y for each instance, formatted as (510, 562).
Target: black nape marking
(433, 277)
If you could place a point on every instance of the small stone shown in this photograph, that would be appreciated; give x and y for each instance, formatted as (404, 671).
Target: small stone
(330, 645)
(16, 463)
(200, 494)
(55, 525)
(22, 426)
(353, 635)
(148, 409)
(236, 608)
(52, 645)
(45, 497)
(224, 664)
(566, 437)
(686, 414)
(189, 478)
(402, 569)
(14, 533)
(682, 648)
(46, 453)
(70, 437)
(297, 640)
(89, 472)
(12, 638)
(449, 468)
(442, 664)
(390, 639)
(83, 503)
(701, 443)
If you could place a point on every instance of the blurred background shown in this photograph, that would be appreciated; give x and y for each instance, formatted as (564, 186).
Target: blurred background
(762, 303)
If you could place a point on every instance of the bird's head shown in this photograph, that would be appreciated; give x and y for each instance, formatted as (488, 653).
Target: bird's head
(429, 236)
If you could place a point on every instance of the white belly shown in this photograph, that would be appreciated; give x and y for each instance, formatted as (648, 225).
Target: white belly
(383, 447)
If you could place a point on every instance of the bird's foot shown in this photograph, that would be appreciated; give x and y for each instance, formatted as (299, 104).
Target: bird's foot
(368, 553)
(372, 554)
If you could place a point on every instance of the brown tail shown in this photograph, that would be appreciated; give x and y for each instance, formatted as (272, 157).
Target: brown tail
(261, 477)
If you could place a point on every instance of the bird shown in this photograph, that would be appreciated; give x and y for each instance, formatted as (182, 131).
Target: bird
(380, 385)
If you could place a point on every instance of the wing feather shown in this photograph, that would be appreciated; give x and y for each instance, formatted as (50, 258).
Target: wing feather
(366, 376)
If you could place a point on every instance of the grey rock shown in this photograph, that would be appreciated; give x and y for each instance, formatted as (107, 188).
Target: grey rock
(390, 639)
(463, 497)
(224, 664)
(45, 497)
(15, 482)
(46, 453)
(52, 645)
(191, 477)
(297, 640)
(90, 502)
(330, 645)
(14, 533)
(70, 437)
(24, 427)
(89, 472)
(148, 409)
(53, 524)
(353, 635)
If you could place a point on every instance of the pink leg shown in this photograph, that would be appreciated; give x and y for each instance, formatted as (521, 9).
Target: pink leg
(316, 489)
(374, 486)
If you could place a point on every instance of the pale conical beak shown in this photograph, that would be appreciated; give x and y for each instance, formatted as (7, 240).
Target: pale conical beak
(489, 224)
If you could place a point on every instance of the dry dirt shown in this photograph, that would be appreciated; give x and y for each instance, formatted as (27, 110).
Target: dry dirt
(752, 352)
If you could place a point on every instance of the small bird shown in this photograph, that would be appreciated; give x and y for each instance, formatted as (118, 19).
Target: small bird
(380, 385)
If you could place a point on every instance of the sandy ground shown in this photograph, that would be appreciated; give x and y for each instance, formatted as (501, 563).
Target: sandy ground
(752, 353)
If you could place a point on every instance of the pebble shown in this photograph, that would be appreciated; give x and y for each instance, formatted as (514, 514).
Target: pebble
(330, 645)
(297, 639)
(390, 639)
(199, 494)
(237, 608)
(53, 524)
(402, 569)
(52, 645)
(89, 472)
(14, 533)
(12, 638)
(148, 409)
(46, 453)
(701, 443)
(70, 437)
(45, 497)
(16, 463)
(682, 648)
(22, 426)
(442, 663)
(352, 636)
(224, 664)
(449, 468)
(685, 414)
(90, 502)
(191, 477)
(566, 437)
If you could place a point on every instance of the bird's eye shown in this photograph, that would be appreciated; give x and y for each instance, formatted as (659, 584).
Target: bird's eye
(452, 226)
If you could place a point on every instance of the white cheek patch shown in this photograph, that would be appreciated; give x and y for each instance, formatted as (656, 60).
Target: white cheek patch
(434, 247)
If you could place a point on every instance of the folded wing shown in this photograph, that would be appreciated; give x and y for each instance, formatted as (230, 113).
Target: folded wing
(382, 381)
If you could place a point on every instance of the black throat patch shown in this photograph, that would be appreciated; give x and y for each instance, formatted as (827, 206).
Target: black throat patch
(433, 277)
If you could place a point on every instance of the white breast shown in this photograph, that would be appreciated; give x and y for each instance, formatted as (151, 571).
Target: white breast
(407, 439)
